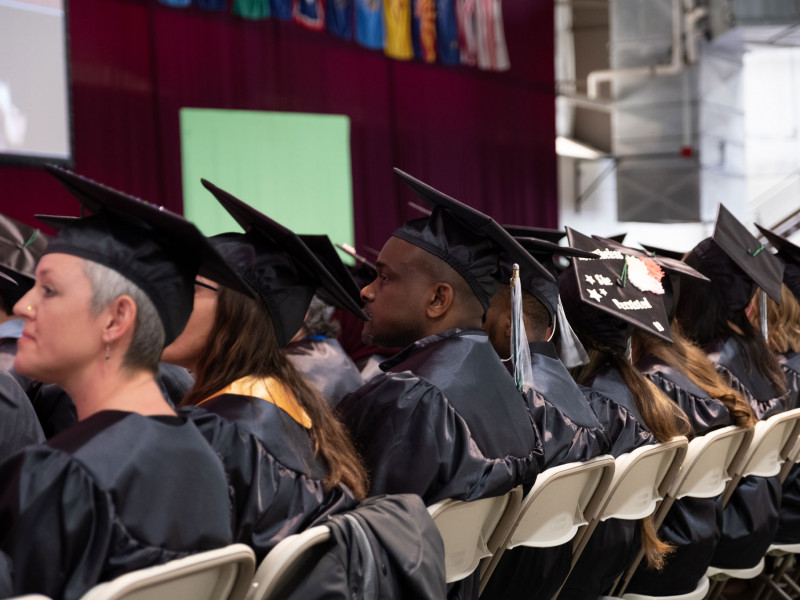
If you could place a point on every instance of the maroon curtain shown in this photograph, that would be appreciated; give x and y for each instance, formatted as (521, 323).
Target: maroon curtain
(485, 138)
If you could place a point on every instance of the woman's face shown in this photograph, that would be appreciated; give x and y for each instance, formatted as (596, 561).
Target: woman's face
(185, 350)
(61, 338)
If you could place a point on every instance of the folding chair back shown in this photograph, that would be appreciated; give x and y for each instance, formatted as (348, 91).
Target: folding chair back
(222, 574)
(772, 443)
(641, 479)
(710, 463)
(563, 499)
(287, 562)
(466, 528)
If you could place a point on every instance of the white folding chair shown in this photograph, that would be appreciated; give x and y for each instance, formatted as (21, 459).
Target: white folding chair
(774, 440)
(221, 574)
(711, 461)
(563, 499)
(289, 560)
(466, 528)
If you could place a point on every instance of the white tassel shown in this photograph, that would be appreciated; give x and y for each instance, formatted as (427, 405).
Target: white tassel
(569, 347)
(520, 352)
(762, 296)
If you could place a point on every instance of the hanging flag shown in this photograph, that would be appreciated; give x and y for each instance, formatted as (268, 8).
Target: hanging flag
(309, 13)
(423, 29)
(447, 32)
(281, 9)
(369, 23)
(467, 18)
(398, 29)
(492, 51)
(339, 18)
(251, 9)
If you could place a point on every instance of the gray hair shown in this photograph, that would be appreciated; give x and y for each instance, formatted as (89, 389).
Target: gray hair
(148, 332)
(318, 319)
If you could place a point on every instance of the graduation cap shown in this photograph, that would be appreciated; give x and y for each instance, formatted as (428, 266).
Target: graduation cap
(325, 251)
(735, 261)
(157, 250)
(619, 284)
(21, 246)
(655, 252)
(466, 239)
(282, 270)
(789, 254)
(540, 233)
(669, 264)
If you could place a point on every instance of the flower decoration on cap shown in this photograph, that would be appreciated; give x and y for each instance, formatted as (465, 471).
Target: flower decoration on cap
(645, 274)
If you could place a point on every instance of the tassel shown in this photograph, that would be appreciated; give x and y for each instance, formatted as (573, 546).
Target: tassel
(520, 352)
(762, 296)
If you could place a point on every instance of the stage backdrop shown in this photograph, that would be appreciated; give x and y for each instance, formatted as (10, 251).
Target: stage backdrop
(485, 138)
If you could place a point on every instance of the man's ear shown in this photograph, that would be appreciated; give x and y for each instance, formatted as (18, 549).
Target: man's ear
(120, 318)
(441, 300)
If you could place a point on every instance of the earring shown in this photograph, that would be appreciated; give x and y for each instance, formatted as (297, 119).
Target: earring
(108, 352)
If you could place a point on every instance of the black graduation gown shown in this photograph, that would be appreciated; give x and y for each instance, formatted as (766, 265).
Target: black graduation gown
(101, 499)
(570, 432)
(18, 423)
(276, 481)
(614, 543)
(387, 548)
(789, 526)
(444, 420)
(692, 525)
(326, 366)
(750, 519)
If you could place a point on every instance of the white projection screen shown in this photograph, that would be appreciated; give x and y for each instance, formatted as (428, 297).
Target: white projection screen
(34, 83)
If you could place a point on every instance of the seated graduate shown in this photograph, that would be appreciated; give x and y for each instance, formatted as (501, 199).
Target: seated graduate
(604, 300)
(783, 331)
(713, 315)
(131, 484)
(683, 372)
(290, 462)
(444, 419)
(314, 350)
(569, 428)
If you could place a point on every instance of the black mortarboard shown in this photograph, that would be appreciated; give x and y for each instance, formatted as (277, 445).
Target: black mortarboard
(540, 233)
(466, 239)
(655, 251)
(325, 251)
(669, 264)
(157, 250)
(789, 253)
(277, 264)
(627, 287)
(747, 252)
(21, 247)
(619, 238)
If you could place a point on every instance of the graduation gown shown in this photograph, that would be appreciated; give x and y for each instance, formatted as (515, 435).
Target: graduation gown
(750, 519)
(326, 366)
(116, 492)
(276, 479)
(570, 432)
(444, 420)
(19, 426)
(614, 543)
(692, 525)
(789, 526)
(387, 548)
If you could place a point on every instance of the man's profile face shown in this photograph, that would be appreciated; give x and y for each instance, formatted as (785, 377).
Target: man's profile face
(396, 300)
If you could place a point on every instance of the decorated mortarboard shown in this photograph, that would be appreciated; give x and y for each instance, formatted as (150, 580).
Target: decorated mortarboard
(325, 251)
(282, 270)
(655, 251)
(625, 286)
(157, 250)
(466, 239)
(21, 246)
(789, 254)
(619, 238)
(671, 265)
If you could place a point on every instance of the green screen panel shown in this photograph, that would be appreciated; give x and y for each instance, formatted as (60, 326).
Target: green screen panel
(293, 167)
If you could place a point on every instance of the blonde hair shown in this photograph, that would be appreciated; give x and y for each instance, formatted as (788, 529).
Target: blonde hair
(783, 322)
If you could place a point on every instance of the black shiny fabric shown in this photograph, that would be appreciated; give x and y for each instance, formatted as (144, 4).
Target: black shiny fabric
(570, 432)
(19, 425)
(757, 389)
(615, 542)
(692, 525)
(444, 421)
(387, 548)
(732, 285)
(789, 525)
(79, 509)
(747, 531)
(276, 481)
(326, 366)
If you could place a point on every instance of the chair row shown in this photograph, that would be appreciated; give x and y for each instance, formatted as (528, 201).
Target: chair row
(569, 501)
